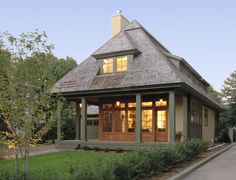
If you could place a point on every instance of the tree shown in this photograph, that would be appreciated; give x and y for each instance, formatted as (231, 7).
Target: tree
(228, 93)
(26, 104)
(214, 93)
(229, 89)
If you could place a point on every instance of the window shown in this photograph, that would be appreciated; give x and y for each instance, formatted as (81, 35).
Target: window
(107, 121)
(146, 104)
(107, 66)
(206, 117)
(147, 120)
(121, 64)
(131, 120)
(161, 120)
(131, 105)
(120, 121)
(161, 102)
(119, 104)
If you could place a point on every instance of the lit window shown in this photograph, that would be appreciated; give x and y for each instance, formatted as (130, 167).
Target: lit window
(147, 104)
(131, 105)
(120, 121)
(119, 104)
(147, 120)
(107, 66)
(121, 64)
(131, 120)
(161, 102)
(161, 120)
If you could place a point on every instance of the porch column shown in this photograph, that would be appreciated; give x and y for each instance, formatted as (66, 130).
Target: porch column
(171, 117)
(138, 135)
(58, 120)
(78, 121)
(84, 119)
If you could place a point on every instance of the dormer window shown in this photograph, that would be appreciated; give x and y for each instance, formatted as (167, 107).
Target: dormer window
(107, 65)
(121, 64)
(114, 64)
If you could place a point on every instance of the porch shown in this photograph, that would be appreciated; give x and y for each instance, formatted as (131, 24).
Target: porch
(126, 121)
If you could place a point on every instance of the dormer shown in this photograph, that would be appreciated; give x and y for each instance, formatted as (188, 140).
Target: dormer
(117, 54)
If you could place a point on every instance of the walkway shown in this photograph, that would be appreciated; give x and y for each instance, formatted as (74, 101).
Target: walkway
(221, 167)
(43, 149)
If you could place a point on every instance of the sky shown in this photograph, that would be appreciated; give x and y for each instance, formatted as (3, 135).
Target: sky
(202, 32)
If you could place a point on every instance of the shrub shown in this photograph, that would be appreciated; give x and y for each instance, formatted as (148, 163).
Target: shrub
(141, 164)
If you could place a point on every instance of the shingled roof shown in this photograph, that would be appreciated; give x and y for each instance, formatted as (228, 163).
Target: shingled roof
(151, 67)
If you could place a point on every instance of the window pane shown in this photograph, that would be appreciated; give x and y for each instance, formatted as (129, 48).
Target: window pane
(120, 121)
(131, 120)
(161, 121)
(107, 66)
(161, 102)
(147, 104)
(147, 120)
(130, 105)
(120, 105)
(121, 64)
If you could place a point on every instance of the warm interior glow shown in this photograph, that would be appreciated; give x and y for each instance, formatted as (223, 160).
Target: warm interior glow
(146, 104)
(117, 103)
(147, 120)
(120, 121)
(161, 120)
(161, 102)
(80, 105)
(130, 105)
(131, 120)
(121, 64)
(107, 66)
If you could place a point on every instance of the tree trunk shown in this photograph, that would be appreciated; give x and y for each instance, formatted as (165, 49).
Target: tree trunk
(26, 164)
(16, 164)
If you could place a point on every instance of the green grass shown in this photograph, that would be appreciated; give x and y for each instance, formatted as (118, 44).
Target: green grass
(58, 164)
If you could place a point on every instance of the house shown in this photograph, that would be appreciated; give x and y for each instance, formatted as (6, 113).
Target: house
(144, 93)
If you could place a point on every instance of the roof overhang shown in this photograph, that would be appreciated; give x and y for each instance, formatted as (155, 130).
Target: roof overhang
(117, 53)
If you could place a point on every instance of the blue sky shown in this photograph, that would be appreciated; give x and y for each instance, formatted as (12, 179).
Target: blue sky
(203, 32)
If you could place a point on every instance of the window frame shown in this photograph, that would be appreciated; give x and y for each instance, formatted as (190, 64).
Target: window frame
(100, 63)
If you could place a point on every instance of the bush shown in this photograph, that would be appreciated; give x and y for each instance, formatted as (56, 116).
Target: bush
(141, 164)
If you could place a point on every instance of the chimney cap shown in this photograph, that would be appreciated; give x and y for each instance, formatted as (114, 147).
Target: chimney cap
(119, 11)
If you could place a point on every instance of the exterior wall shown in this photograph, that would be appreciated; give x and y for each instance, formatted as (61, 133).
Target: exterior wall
(208, 132)
(181, 115)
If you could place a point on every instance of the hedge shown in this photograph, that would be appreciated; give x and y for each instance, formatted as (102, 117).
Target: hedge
(141, 164)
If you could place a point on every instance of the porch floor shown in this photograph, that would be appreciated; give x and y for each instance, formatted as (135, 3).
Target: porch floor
(113, 145)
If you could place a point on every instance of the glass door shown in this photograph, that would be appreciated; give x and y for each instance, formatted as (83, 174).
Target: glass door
(161, 125)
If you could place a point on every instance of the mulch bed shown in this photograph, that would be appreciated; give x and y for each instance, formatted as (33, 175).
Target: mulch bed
(180, 167)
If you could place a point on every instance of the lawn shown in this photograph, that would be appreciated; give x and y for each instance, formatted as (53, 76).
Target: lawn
(58, 164)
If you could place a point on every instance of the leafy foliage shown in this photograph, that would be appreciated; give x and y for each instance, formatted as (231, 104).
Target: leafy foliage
(28, 70)
(141, 164)
(229, 89)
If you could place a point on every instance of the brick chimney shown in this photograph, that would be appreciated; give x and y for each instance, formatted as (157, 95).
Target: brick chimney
(118, 23)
